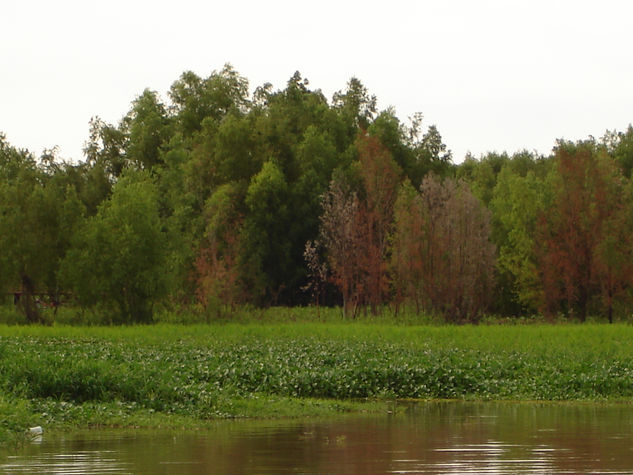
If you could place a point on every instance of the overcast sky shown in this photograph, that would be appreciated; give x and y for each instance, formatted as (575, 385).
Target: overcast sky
(492, 75)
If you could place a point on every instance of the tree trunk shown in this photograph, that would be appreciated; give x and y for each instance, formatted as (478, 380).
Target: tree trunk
(27, 301)
(610, 309)
(583, 300)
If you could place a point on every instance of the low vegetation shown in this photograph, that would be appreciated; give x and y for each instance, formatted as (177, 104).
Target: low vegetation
(186, 375)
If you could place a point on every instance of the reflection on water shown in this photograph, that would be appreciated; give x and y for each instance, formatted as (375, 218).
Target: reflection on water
(447, 437)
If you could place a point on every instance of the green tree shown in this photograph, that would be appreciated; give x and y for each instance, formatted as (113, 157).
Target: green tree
(227, 151)
(105, 148)
(38, 215)
(517, 203)
(356, 106)
(619, 145)
(415, 151)
(614, 257)
(266, 252)
(118, 259)
(148, 129)
(195, 99)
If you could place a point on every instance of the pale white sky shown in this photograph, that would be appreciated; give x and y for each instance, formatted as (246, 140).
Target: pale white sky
(491, 74)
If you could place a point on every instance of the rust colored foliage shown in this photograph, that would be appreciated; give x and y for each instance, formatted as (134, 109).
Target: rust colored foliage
(381, 178)
(340, 236)
(443, 259)
(217, 274)
(408, 248)
(583, 243)
(355, 231)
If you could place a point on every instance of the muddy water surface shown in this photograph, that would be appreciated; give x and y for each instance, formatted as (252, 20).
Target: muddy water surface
(447, 437)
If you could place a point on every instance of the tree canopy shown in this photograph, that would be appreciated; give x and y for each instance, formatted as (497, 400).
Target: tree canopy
(215, 197)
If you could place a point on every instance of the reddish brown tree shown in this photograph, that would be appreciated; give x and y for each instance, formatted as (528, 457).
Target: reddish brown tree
(408, 246)
(443, 258)
(218, 276)
(355, 231)
(218, 273)
(340, 236)
(578, 257)
(381, 179)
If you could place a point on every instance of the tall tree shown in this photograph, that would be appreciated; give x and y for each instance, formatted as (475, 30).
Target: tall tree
(614, 257)
(587, 194)
(381, 178)
(517, 203)
(415, 151)
(266, 253)
(408, 247)
(105, 148)
(218, 273)
(148, 129)
(619, 145)
(38, 215)
(195, 99)
(355, 227)
(341, 236)
(445, 231)
(356, 105)
(118, 260)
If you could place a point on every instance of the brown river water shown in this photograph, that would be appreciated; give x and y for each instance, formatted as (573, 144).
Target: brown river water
(435, 437)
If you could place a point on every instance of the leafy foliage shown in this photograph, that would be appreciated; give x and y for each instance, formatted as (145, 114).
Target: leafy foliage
(443, 258)
(206, 199)
(576, 254)
(118, 258)
(38, 215)
(216, 265)
(517, 203)
(202, 368)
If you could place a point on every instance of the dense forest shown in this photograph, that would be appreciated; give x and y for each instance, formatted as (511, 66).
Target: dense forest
(218, 198)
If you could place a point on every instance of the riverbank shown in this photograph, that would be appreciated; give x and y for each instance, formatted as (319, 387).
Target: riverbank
(183, 376)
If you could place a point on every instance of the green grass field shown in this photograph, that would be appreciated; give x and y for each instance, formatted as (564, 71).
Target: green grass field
(173, 375)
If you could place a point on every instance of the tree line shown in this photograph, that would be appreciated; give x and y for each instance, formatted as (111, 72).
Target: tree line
(218, 198)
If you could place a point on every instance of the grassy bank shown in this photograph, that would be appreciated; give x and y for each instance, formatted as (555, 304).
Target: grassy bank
(168, 375)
